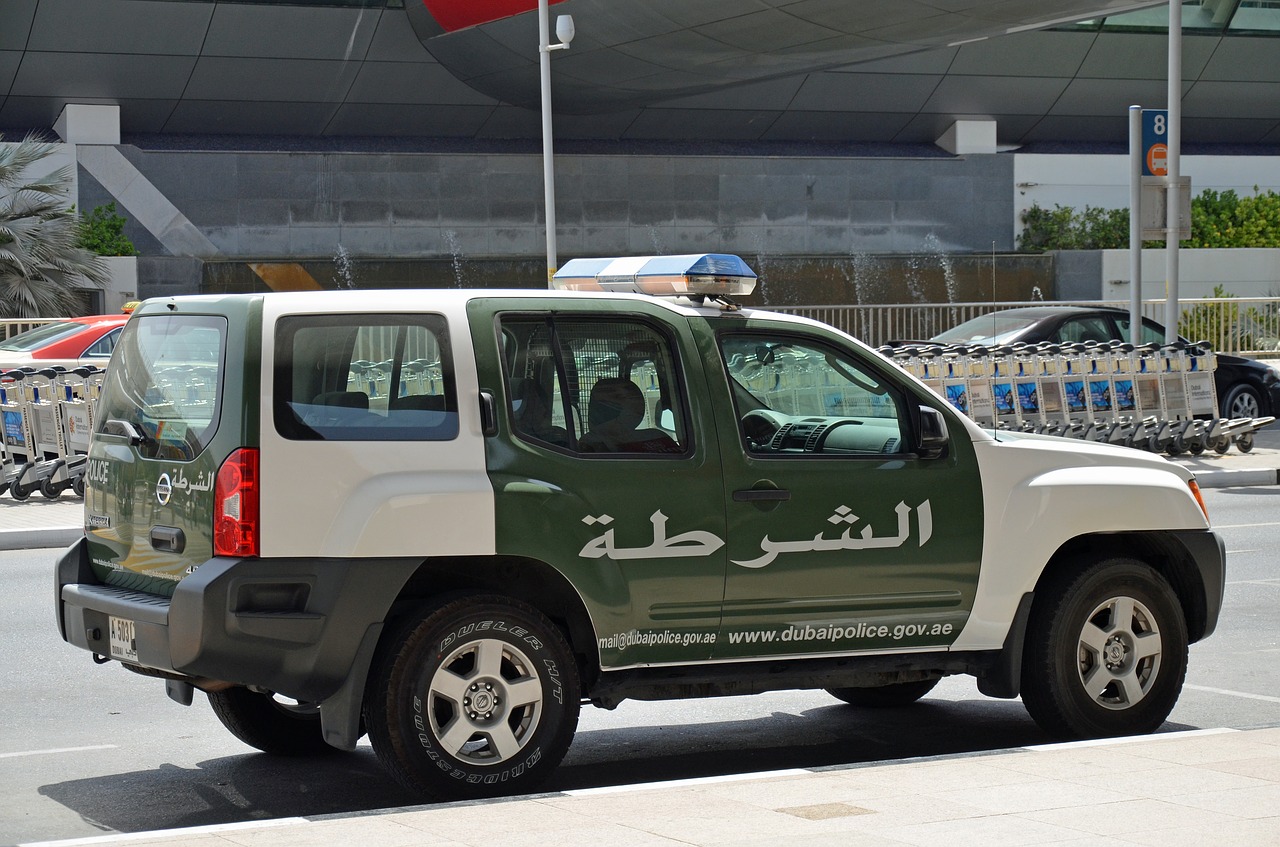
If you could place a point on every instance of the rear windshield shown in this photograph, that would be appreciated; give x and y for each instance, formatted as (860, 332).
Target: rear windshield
(41, 336)
(164, 379)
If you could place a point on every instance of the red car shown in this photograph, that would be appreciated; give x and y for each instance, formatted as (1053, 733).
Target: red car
(69, 342)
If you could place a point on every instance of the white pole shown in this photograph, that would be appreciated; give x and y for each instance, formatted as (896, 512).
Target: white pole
(548, 170)
(1135, 224)
(1175, 144)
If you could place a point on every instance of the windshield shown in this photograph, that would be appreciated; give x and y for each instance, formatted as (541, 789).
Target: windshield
(996, 328)
(41, 336)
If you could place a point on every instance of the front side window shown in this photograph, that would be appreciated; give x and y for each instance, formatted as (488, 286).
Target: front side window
(797, 397)
(593, 386)
(364, 378)
(166, 383)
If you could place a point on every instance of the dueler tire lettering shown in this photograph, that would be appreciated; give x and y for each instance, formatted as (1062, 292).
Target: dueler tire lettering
(474, 698)
(1106, 651)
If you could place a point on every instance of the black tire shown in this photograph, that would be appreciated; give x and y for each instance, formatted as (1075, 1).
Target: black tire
(1088, 624)
(271, 724)
(884, 696)
(477, 697)
(1221, 445)
(77, 486)
(1195, 448)
(1242, 401)
(1244, 443)
(20, 492)
(50, 489)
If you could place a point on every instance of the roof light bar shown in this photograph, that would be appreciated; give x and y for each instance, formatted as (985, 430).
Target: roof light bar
(710, 274)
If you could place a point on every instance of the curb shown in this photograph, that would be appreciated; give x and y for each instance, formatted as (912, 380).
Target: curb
(28, 539)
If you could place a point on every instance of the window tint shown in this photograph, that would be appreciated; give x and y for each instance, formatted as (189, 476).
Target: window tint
(1089, 328)
(364, 378)
(594, 386)
(798, 396)
(166, 382)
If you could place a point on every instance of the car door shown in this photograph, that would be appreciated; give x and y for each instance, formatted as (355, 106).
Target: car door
(604, 467)
(840, 537)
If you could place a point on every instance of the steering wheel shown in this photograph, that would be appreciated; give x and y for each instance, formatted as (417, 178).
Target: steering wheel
(759, 426)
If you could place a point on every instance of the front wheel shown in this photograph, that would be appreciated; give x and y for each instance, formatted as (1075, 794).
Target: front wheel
(19, 491)
(1106, 652)
(884, 696)
(479, 697)
(271, 723)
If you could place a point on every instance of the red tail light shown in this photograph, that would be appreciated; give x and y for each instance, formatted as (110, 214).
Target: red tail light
(235, 505)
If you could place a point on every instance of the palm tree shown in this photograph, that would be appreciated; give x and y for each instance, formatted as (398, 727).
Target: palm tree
(41, 261)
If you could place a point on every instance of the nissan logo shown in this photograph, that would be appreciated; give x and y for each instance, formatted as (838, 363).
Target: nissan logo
(164, 489)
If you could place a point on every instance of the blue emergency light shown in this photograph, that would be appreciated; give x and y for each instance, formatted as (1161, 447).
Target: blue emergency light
(694, 274)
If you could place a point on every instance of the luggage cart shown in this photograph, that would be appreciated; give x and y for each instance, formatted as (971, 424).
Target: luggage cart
(18, 441)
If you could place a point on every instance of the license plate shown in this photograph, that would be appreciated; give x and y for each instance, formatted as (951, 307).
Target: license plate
(124, 644)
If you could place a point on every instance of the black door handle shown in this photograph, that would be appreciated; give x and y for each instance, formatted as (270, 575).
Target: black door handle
(757, 495)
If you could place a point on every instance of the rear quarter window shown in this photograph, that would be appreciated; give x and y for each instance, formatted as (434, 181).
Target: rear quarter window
(166, 381)
(364, 378)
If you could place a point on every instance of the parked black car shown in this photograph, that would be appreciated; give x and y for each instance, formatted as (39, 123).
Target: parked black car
(1246, 388)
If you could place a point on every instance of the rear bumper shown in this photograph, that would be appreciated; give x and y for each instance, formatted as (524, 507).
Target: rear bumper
(288, 625)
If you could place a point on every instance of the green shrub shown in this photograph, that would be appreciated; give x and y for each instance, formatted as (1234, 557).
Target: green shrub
(102, 232)
(1218, 219)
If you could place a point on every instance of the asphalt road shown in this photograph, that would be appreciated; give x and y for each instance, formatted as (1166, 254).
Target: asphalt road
(87, 750)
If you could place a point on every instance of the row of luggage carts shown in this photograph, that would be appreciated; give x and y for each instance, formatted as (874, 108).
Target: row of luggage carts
(48, 418)
(1157, 397)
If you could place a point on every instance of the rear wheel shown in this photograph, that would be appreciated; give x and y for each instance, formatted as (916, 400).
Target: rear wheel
(884, 696)
(478, 697)
(271, 723)
(1106, 651)
(50, 489)
(19, 491)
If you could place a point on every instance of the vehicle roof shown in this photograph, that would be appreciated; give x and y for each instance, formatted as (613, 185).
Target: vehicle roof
(393, 299)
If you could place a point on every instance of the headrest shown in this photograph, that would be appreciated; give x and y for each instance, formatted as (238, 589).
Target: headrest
(615, 402)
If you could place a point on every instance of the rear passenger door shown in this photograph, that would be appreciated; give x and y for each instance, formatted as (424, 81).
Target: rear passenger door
(604, 466)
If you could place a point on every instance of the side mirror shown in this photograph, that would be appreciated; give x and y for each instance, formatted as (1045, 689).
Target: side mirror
(933, 437)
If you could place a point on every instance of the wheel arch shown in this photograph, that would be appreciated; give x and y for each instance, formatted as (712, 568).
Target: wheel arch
(527, 579)
(1167, 552)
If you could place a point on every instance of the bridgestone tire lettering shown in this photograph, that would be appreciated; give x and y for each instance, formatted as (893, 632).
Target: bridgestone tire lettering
(477, 697)
(1106, 650)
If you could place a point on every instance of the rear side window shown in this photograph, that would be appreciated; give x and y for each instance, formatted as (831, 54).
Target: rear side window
(364, 378)
(165, 380)
(599, 386)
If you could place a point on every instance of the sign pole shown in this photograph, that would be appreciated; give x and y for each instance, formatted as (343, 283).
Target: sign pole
(1135, 224)
(1174, 217)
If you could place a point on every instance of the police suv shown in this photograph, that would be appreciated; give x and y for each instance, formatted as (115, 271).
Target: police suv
(450, 518)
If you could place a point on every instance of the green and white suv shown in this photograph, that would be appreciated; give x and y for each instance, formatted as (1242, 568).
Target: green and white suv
(450, 518)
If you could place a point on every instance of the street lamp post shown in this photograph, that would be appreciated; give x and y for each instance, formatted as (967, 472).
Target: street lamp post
(565, 33)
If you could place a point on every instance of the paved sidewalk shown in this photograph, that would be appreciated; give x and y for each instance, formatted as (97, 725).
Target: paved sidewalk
(1205, 787)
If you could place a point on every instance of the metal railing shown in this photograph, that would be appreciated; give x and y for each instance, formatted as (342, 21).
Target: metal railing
(10, 328)
(1247, 326)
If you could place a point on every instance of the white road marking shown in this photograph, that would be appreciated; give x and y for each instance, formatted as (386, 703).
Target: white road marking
(56, 750)
(680, 783)
(1229, 693)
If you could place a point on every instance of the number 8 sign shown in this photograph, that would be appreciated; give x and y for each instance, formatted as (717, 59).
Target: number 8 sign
(1155, 142)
